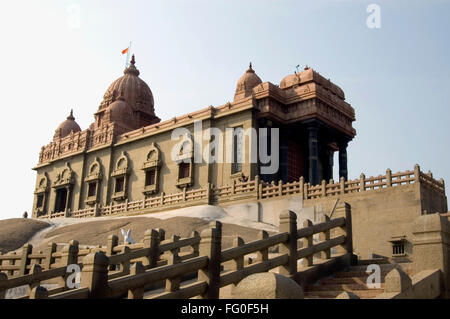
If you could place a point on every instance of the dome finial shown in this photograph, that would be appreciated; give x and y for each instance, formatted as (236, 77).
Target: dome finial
(70, 117)
(133, 61)
(250, 68)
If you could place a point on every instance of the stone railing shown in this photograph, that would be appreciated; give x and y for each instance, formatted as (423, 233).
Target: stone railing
(257, 190)
(100, 279)
(31, 268)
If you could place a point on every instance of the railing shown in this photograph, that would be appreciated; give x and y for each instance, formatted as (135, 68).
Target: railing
(257, 189)
(97, 282)
(31, 268)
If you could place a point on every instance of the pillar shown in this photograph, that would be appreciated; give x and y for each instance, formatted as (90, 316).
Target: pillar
(343, 159)
(313, 155)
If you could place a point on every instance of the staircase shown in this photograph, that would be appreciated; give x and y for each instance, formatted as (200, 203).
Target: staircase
(352, 280)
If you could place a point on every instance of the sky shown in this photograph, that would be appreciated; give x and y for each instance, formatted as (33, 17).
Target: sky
(61, 55)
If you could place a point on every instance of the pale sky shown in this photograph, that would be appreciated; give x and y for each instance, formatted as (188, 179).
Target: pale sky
(191, 53)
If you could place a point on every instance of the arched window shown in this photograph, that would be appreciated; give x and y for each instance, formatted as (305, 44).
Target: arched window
(120, 175)
(151, 170)
(93, 180)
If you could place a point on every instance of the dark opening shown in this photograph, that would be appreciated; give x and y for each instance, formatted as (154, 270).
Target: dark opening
(61, 200)
(92, 189)
(184, 170)
(150, 177)
(398, 248)
(40, 201)
(119, 184)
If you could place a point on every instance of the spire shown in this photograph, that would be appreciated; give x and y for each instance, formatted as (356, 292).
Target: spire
(70, 117)
(132, 68)
(250, 69)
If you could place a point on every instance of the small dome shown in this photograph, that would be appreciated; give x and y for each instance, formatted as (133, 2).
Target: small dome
(133, 89)
(120, 111)
(69, 125)
(246, 83)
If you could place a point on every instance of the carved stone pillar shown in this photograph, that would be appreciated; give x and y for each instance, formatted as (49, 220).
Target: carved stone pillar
(313, 155)
(343, 159)
(330, 162)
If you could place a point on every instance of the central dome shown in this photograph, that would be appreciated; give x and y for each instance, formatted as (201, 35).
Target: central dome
(132, 89)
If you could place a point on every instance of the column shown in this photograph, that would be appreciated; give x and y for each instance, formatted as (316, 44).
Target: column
(330, 162)
(343, 159)
(313, 155)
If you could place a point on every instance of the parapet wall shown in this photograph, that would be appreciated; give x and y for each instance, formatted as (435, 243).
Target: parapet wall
(385, 214)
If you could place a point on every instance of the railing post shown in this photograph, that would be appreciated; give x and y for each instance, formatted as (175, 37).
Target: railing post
(305, 196)
(308, 242)
(26, 250)
(256, 181)
(161, 234)
(288, 224)
(260, 190)
(184, 194)
(344, 210)
(126, 263)
(196, 247)
(3, 277)
(49, 260)
(69, 255)
(94, 275)
(162, 199)
(416, 173)
(301, 186)
(137, 293)
(362, 182)
(237, 263)
(324, 188)
(151, 241)
(388, 178)
(263, 255)
(342, 184)
(325, 236)
(12, 262)
(210, 246)
(35, 270)
(173, 284)
(233, 187)
(113, 241)
(208, 193)
(280, 188)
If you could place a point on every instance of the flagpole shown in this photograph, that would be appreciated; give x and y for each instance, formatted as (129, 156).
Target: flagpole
(128, 55)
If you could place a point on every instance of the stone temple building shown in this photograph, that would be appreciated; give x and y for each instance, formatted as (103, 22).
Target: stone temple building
(125, 154)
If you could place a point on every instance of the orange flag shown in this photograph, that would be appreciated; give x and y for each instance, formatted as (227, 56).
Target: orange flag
(125, 51)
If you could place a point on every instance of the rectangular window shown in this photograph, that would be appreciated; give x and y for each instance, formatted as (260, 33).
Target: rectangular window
(92, 189)
(238, 151)
(398, 248)
(119, 184)
(40, 201)
(150, 177)
(184, 170)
